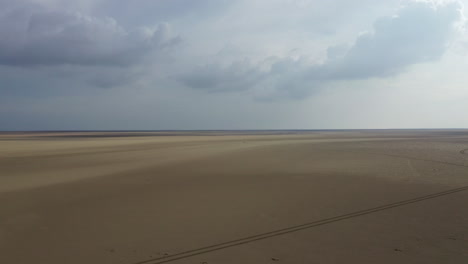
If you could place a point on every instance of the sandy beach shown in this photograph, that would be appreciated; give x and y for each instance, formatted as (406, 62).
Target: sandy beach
(357, 196)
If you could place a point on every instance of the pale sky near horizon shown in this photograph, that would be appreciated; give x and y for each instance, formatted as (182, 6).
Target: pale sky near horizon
(226, 64)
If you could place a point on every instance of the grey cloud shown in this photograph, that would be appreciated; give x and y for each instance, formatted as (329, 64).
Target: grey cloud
(145, 11)
(419, 33)
(239, 75)
(35, 35)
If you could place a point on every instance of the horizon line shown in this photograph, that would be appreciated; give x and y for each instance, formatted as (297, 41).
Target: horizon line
(221, 130)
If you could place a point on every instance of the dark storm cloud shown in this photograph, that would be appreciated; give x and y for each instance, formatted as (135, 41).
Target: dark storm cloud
(34, 35)
(419, 33)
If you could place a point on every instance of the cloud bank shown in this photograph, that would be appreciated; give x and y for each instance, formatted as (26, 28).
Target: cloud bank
(31, 35)
(419, 33)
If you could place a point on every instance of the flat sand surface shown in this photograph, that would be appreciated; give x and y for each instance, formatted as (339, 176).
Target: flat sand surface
(389, 196)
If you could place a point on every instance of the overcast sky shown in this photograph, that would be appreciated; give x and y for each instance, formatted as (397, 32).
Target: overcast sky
(225, 64)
